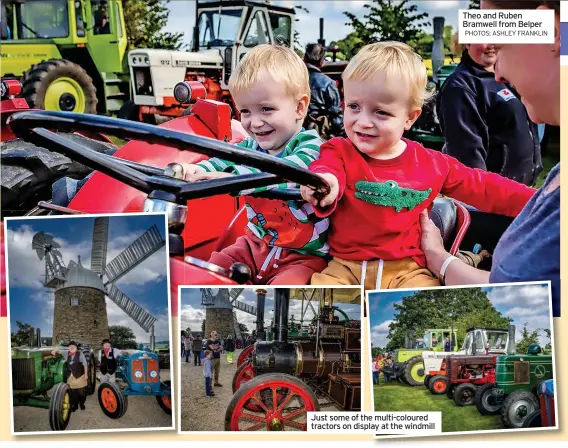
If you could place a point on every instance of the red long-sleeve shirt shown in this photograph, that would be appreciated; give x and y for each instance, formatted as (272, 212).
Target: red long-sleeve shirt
(379, 217)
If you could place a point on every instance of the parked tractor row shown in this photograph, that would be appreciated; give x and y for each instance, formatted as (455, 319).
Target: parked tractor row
(39, 379)
(485, 372)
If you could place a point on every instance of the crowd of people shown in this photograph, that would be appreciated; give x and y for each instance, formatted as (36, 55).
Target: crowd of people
(208, 352)
(383, 363)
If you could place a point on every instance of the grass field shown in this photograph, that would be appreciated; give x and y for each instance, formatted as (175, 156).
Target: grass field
(397, 397)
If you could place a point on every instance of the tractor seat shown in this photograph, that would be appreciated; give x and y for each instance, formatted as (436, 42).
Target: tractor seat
(453, 219)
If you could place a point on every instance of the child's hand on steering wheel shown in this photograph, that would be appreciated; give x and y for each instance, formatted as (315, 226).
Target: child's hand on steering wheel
(309, 195)
(211, 175)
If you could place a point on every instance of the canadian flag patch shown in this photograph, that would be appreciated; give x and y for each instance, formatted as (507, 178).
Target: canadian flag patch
(506, 94)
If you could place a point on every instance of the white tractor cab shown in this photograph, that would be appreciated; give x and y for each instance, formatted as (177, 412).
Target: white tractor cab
(225, 31)
(478, 341)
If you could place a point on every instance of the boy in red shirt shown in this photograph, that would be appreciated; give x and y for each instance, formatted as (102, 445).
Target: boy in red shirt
(381, 182)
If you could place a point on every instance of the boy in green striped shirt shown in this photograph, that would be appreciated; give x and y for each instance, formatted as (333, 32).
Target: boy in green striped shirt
(284, 243)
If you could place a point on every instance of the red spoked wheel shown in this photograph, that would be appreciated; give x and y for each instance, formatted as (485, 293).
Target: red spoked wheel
(244, 374)
(246, 353)
(274, 414)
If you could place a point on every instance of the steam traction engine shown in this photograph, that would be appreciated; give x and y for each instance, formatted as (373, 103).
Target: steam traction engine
(277, 382)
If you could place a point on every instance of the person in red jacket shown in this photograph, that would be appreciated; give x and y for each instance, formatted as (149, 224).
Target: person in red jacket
(381, 182)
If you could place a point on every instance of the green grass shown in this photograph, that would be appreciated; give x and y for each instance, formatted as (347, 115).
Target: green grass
(397, 397)
(548, 162)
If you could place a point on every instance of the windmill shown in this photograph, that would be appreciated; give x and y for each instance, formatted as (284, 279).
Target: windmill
(80, 307)
(219, 310)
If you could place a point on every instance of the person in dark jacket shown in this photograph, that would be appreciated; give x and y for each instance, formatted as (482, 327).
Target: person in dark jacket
(76, 365)
(324, 111)
(485, 125)
(229, 348)
(108, 361)
(196, 347)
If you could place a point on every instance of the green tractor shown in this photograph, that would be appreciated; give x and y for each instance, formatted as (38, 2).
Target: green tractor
(515, 391)
(68, 54)
(39, 380)
(408, 362)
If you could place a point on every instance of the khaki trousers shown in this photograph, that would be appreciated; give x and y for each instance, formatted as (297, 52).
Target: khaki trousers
(375, 274)
(216, 362)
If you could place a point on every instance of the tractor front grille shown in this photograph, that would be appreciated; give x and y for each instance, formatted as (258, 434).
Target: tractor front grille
(23, 374)
(143, 81)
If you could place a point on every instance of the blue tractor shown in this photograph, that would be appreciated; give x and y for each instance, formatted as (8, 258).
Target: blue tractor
(140, 373)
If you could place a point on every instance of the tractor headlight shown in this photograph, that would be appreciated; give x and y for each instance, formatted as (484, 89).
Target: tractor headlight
(146, 60)
(153, 374)
(138, 374)
(182, 92)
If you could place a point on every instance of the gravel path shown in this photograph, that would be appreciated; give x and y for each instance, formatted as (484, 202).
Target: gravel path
(143, 412)
(200, 413)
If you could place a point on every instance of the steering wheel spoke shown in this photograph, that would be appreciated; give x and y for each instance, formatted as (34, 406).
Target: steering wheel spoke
(23, 122)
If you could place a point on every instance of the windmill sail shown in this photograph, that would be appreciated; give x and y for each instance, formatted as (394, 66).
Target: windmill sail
(46, 247)
(207, 298)
(100, 241)
(134, 254)
(135, 311)
(245, 307)
(234, 293)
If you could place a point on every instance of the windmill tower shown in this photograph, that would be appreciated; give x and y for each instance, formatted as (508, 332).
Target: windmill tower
(80, 308)
(219, 311)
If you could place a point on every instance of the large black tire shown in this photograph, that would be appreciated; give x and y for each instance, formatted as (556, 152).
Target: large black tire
(427, 380)
(165, 401)
(438, 384)
(120, 403)
(129, 111)
(29, 171)
(517, 407)
(60, 407)
(485, 400)
(534, 420)
(91, 372)
(450, 391)
(410, 364)
(464, 394)
(41, 76)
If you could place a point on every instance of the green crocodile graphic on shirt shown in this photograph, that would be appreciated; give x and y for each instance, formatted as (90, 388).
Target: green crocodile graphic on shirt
(390, 194)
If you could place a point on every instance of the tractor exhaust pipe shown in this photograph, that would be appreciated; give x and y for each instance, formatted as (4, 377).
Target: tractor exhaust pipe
(438, 47)
(38, 338)
(512, 346)
(260, 299)
(281, 301)
(321, 40)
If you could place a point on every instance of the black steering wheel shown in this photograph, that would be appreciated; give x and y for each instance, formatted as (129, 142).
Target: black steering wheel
(32, 126)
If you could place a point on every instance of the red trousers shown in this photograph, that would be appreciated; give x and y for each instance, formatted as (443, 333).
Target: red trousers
(270, 265)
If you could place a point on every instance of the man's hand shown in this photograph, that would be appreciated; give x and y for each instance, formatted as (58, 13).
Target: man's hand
(308, 193)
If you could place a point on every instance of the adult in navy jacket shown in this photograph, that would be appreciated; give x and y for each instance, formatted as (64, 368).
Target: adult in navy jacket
(485, 125)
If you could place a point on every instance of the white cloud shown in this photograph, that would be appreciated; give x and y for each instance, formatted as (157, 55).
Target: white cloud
(118, 317)
(445, 4)
(379, 333)
(532, 296)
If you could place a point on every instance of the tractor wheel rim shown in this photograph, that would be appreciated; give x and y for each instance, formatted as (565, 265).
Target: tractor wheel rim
(275, 417)
(244, 355)
(245, 375)
(489, 403)
(520, 410)
(167, 401)
(417, 372)
(466, 395)
(109, 400)
(439, 386)
(65, 406)
(65, 94)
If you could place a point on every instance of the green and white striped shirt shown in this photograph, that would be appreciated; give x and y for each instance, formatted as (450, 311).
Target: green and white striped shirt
(300, 151)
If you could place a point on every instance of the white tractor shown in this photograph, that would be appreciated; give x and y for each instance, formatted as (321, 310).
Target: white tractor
(225, 31)
(478, 341)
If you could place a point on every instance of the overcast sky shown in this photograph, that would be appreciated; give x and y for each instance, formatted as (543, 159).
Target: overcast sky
(146, 284)
(193, 313)
(182, 16)
(523, 303)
